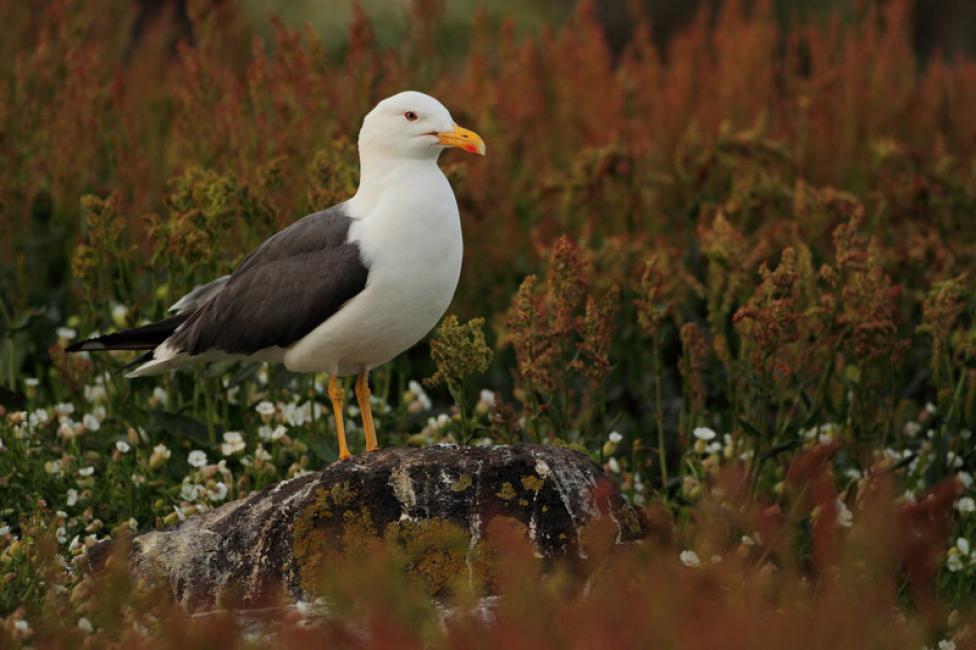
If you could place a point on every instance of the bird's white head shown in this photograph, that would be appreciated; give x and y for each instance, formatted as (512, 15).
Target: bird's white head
(415, 126)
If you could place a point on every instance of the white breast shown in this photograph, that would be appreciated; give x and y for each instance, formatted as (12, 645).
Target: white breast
(410, 239)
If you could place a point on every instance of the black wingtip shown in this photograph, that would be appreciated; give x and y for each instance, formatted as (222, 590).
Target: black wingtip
(145, 337)
(87, 345)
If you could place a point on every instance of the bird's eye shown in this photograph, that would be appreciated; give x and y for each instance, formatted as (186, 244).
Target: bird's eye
(410, 115)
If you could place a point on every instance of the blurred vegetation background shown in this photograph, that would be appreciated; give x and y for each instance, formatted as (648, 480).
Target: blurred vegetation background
(946, 27)
(710, 240)
(680, 149)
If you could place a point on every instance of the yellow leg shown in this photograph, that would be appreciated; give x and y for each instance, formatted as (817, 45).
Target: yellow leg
(338, 395)
(362, 396)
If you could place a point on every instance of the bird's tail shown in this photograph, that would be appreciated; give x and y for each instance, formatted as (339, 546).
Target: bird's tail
(146, 337)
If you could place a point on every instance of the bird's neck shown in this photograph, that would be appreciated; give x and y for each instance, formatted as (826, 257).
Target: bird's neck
(386, 178)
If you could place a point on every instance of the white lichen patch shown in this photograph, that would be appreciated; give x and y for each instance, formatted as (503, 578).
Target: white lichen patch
(403, 490)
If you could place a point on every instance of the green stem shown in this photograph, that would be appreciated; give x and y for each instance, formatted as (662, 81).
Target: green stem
(208, 407)
(659, 416)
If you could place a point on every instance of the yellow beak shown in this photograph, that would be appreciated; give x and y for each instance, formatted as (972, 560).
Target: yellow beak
(463, 139)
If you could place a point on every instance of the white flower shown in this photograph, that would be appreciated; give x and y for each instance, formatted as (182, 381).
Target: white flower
(189, 491)
(639, 486)
(21, 625)
(160, 455)
(487, 398)
(86, 471)
(963, 545)
(90, 422)
(966, 478)
(689, 558)
(197, 458)
(279, 432)
(261, 454)
(62, 535)
(912, 429)
(704, 433)
(845, 517)
(419, 395)
(265, 408)
(52, 466)
(296, 415)
(66, 333)
(613, 465)
(72, 497)
(823, 433)
(954, 562)
(615, 437)
(966, 505)
(31, 382)
(85, 625)
(119, 313)
(122, 446)
(947, 644)
(930, 407)
(219, 493)
(68, 428)
(160, 396)
(233, 443)
(39, 418)
(95, 393)
(64, 409)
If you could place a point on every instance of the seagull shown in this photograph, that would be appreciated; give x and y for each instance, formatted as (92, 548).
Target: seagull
(343, 290)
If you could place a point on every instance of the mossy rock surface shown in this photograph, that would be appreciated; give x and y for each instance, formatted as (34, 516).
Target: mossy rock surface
(434, 503)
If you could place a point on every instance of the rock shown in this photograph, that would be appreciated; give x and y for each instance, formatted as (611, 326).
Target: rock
(244, 552)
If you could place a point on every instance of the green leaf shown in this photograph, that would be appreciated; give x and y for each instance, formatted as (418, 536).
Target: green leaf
(23, 321)
(749, 428)
(182, 426)
(789, 445)
(322, 449)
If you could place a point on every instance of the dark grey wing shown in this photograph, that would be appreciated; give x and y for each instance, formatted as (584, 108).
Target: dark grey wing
(280, 292)
(198, 296)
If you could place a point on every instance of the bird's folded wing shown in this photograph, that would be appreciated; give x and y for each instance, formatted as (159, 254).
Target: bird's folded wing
(283, 290)
(198, 296)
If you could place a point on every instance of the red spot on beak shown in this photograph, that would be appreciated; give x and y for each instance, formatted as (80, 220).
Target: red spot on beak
(470, 148)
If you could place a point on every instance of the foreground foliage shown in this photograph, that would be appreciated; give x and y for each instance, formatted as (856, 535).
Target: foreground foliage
(689, 265)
